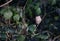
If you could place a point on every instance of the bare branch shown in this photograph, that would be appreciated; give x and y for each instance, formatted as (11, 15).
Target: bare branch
(25, 4)
(56, 37)
(23, 18)
(6, 3)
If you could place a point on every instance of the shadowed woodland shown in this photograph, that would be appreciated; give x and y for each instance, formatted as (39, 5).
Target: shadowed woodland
(18, 20)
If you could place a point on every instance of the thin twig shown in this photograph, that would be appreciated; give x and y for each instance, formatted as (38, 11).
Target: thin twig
(56, 38)
(6, 3)
(25, 4)
(23, 18)
(49, 32)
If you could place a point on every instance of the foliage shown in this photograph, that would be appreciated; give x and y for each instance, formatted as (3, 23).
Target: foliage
(17, 23)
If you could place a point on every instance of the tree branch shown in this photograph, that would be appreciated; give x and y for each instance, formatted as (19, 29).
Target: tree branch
(56, 38)
(6, 3)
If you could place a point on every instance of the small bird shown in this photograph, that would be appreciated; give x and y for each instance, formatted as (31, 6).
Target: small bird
(38, 20)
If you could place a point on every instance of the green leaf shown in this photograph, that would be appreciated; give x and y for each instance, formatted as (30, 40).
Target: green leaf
(56, 17)
(14, 10)
(53, 2)
(3, 11)
(8, 14)
(30, 12)
(32, 28)
(42, 36)
(3, 36)
(21, 37)
(16, 17)
(29, 2)
(38, 11)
